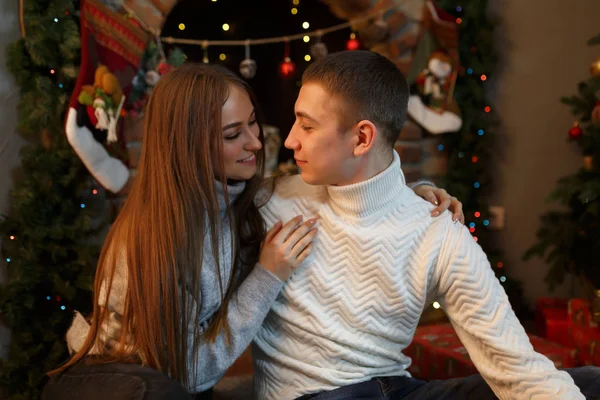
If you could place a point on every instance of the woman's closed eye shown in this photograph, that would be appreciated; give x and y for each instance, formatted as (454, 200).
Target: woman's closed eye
(234, 136)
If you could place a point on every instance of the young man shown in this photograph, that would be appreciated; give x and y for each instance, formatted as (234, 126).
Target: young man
(344, 318)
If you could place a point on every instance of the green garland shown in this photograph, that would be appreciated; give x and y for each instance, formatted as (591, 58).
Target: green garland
(44, 235)
(469, 150)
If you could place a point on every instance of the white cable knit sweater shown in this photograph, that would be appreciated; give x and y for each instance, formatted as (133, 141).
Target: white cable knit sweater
(349, 311)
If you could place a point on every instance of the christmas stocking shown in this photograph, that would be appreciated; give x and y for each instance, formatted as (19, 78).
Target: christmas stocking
(433, 74)
(111, 49)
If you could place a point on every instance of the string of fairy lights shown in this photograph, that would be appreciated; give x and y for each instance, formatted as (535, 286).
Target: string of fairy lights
(287, 67)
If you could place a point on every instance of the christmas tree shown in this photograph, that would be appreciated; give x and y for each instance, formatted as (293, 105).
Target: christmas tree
(51, 220)
(469, 150)
(569, 239)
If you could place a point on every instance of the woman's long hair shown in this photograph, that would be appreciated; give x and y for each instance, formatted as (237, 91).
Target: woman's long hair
(160, 231)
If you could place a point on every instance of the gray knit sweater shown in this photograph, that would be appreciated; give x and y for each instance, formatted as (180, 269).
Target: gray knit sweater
(247, 309)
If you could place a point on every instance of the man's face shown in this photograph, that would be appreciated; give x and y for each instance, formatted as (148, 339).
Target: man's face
(322, 147)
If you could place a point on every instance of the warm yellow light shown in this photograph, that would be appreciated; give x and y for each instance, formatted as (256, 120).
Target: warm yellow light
(353, 35)
(307, 58)
(296, 2)
(294, 11)
(305, 25)
(306, 39)
(222, 56)
(225, 27)
(436, 305)
(181, 27)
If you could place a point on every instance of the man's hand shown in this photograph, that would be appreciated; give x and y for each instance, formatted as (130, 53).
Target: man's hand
(442, 200)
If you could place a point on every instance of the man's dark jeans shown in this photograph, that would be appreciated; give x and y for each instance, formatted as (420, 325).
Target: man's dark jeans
(469, 388)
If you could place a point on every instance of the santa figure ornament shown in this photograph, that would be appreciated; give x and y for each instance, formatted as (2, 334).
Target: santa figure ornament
(434, 81)
(434, 73)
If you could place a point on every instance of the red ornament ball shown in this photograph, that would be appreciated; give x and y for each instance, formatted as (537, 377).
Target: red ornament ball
(352, 44)
(287, 68)
(575, 132)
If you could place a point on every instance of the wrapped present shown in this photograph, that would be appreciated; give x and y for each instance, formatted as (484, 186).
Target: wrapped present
(561, 356)
(584, 332)
(552, 320)
(437, 353)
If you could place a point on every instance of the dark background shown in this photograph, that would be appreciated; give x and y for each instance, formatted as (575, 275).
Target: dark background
(257, 19)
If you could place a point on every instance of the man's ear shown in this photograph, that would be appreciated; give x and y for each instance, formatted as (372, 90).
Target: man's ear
(366, 132)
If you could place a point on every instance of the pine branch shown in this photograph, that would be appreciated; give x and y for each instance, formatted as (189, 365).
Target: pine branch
(594, 41)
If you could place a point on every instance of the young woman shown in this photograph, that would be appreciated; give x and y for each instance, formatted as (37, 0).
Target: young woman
(187, 273)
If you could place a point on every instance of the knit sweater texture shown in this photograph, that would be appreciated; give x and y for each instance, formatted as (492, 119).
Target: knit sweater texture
(353, 305)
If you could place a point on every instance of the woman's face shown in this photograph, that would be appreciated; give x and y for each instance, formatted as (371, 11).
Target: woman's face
(240, 136)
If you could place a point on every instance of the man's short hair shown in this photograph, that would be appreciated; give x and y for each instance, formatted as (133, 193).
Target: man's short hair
(370, 86)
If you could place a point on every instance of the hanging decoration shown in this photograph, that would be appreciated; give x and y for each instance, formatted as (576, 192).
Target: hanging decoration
(287, 67)
(575, 132)
(596, 112)
(433, 74)
(205, 52)
(588, 162)
(318, 50)
(352, 43)
(102, 101)
(108, 67)
(595, 68)
(155, 63)
(248, 66)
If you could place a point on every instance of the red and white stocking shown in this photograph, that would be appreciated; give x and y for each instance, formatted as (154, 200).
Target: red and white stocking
(111, 39)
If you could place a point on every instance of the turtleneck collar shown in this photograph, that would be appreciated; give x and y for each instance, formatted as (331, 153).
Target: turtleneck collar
(234, 190)
(367, 197)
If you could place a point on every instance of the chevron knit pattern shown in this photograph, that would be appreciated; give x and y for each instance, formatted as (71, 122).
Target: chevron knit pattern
(349, 311)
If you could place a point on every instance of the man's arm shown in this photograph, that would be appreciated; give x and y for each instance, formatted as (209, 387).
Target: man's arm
(479, 310)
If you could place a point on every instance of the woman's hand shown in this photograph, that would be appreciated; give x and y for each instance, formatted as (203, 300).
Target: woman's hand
(285, 247)
(442, 200)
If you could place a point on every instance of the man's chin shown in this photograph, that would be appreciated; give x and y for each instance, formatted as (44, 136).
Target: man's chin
(311, 179)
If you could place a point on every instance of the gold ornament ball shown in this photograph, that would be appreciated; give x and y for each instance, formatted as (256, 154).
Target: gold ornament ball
(595, 68)
(588, 162)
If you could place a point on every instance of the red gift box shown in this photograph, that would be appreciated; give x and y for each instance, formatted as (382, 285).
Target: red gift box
(584, 332)
(561, 356)
(437, 353)
(552, 320)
